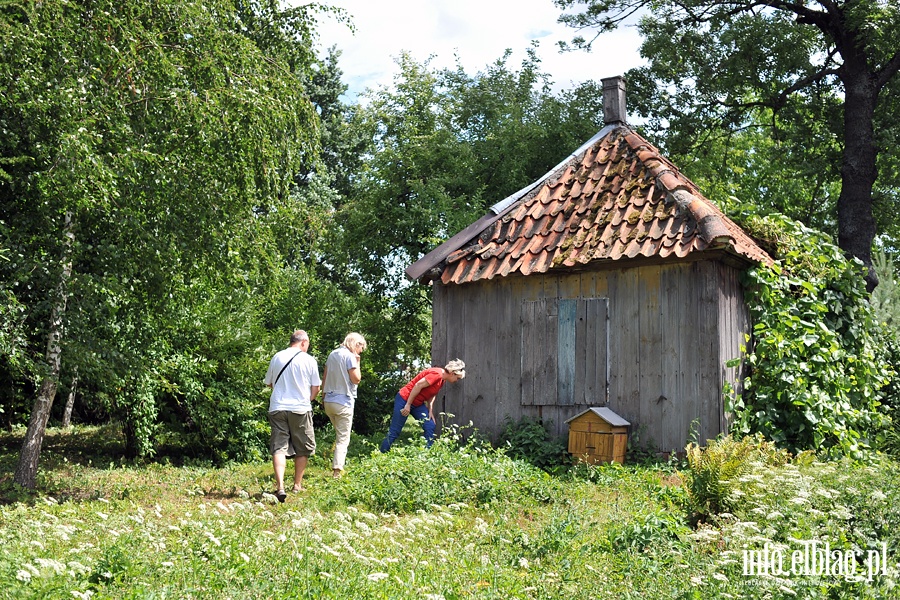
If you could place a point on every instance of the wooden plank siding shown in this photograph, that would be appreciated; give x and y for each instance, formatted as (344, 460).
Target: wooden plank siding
(735, 317)
(649, 341)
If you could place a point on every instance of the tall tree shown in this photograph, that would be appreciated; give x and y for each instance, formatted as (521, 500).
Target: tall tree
(140, 138)
(806, 69)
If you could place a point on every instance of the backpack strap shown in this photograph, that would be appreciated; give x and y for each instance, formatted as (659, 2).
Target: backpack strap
(283, 368)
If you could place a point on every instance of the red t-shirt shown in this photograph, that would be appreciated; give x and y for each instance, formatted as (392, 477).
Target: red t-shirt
(435, 381)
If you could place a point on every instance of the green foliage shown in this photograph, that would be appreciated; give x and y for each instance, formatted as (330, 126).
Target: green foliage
(816, 381)
(886, 304)
(171, 132)
(715, 471)
(412, 477)
(886, 297)
(657, 533)
(530, 440)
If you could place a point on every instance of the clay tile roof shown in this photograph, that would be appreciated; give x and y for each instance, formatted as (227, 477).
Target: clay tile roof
(615, 199)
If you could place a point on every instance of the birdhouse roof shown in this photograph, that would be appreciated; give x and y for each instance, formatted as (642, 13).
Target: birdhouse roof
(604, 413)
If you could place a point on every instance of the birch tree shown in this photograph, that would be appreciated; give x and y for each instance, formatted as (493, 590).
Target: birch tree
(139, 137)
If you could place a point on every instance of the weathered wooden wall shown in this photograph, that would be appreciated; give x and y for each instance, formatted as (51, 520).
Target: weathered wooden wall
(672, 327)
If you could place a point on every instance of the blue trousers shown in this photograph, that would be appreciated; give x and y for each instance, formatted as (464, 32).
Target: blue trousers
(398, 421)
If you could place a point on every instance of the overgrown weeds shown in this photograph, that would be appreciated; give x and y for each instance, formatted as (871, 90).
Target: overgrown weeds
(458, 520)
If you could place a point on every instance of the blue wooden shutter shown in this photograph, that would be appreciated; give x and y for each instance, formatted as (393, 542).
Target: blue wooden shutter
(564, 351)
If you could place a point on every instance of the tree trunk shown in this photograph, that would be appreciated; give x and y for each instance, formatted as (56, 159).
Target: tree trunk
(856, 223)
(26, 470)
(70, 401)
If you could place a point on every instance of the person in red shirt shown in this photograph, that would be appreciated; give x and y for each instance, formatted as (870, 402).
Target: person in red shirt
(417, 399)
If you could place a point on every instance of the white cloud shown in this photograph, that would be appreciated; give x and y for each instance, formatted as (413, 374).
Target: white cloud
(477, 31)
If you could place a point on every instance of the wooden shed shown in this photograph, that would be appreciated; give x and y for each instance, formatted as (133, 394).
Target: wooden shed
(597, 434)
(610, 281)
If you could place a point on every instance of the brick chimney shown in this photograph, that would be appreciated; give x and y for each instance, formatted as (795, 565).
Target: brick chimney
(613, 100)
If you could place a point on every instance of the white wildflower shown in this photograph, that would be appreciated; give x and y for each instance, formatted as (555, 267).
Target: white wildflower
(76, 568)
(841, 512)
(377, 576)
(103, 516)
(878, 495)
(787, 590)
(325, 574)
(83, 595)
(167, 563)
(697, 580)
(23, 575)
(49, 563)
(480, 526)
(434, 597)
(720, 576)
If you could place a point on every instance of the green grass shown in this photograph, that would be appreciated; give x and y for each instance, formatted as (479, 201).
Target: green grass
(454, 521)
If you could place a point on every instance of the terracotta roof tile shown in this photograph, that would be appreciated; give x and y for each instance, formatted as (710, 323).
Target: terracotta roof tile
(619, 199)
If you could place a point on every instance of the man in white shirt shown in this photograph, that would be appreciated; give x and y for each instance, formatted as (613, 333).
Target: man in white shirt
(293, 376)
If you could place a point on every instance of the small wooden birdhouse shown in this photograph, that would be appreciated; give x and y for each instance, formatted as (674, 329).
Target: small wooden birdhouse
(598, 435)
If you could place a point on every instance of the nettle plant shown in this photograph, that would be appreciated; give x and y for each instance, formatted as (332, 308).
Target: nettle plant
(816, 381)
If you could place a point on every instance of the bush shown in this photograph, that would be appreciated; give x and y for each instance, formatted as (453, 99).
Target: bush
(714, 472)
(659, 532)
(412, 477)
(531, 441)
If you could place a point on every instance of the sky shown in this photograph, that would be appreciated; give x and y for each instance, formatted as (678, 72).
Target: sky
(478, 31)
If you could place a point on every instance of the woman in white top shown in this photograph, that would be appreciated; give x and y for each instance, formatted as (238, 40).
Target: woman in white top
(340, 381)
